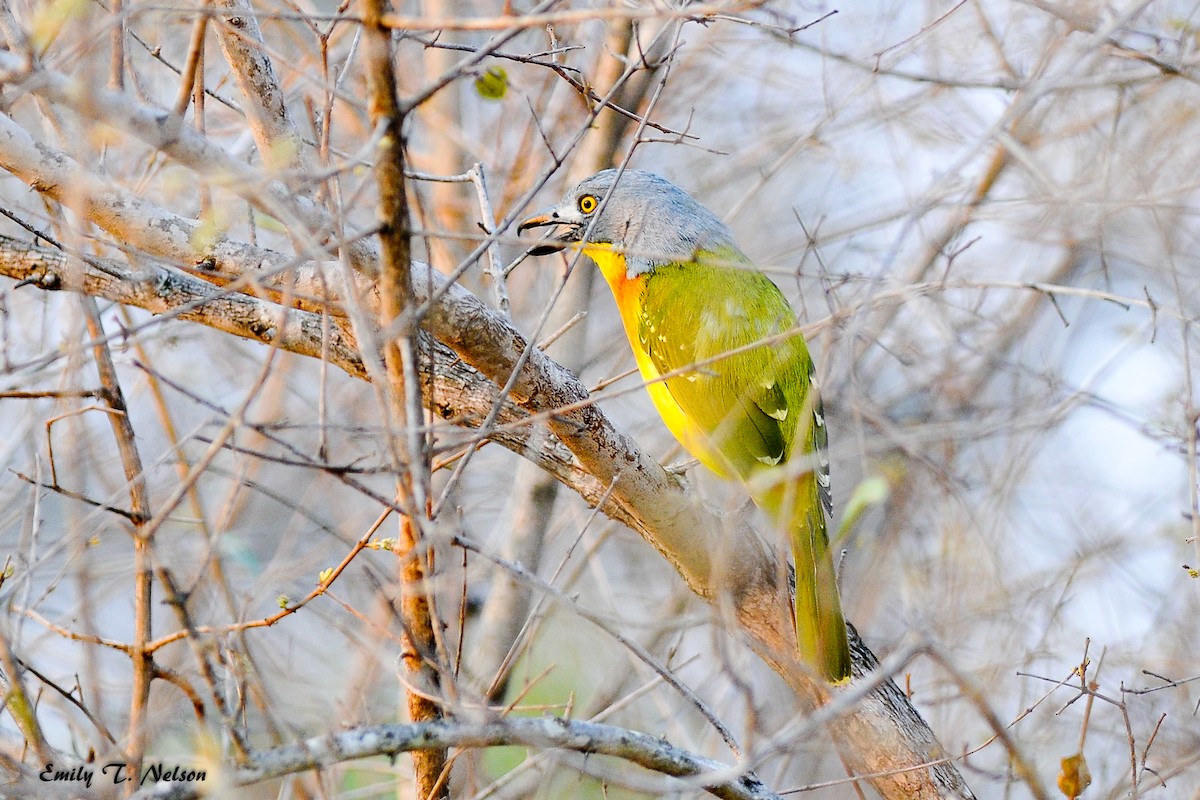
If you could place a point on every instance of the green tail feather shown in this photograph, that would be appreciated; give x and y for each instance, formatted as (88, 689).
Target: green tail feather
(820, 626)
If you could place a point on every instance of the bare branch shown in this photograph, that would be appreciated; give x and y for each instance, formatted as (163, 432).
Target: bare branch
(422, 660)
(279, 143)
(507, 23)
(651, 752)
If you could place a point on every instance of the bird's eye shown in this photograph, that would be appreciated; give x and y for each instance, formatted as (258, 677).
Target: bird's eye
(588, 203)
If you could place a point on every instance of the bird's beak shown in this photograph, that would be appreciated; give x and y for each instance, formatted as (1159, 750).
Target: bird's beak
(546, 216)
(556, 240)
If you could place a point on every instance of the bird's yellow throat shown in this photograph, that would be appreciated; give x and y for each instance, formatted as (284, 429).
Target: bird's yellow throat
(627, 292)
(610, 261)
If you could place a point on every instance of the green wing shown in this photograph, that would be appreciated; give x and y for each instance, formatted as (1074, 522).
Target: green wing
(750, 404)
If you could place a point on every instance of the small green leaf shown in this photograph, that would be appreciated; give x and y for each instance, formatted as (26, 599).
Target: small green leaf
(493, 84)
(871, 492)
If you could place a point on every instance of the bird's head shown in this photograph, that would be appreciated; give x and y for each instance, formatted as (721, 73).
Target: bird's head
(648, 218)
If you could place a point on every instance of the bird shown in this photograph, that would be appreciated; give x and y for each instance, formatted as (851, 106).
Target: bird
(716, 342)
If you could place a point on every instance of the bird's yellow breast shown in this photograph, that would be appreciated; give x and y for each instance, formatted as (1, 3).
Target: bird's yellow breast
(628, 292)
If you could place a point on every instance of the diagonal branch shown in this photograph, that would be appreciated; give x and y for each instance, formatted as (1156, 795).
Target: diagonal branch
(271, 123)
(458, 393)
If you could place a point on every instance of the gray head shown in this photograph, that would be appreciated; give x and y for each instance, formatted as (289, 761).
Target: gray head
(650, 219)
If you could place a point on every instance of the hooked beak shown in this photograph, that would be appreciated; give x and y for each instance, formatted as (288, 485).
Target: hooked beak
(556, 240)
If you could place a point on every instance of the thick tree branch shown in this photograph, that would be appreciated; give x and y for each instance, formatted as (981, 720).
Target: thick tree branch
(455, 391)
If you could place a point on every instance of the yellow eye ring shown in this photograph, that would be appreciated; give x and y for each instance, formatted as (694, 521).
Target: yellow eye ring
(588, 203)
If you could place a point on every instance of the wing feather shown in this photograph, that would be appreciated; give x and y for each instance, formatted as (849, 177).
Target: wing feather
(749, 403)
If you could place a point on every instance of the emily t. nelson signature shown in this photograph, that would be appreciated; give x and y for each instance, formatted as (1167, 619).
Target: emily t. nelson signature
(118, 772)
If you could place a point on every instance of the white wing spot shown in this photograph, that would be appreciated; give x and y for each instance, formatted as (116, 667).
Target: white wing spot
(711, 324)
(735, 308)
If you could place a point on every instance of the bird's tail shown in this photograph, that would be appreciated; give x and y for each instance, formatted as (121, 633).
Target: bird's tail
(795, 506)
